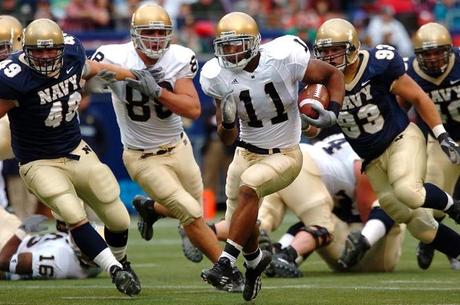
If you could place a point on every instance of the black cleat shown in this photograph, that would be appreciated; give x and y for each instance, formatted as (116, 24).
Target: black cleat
(147, 216)
(127, 267)
(283, 265)
(190, 251)
(425, 254)
(356, 246)
(454, 211)
(253, 284)
(125, 281)
(220, 275)
(265, 242)
(237, 282)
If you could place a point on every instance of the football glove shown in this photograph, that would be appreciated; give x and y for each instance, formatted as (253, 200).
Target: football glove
(145, 83)
(304, 121)
(325, 118)
(449, 147)
(34, 224)
(228, 108)
(157, 73)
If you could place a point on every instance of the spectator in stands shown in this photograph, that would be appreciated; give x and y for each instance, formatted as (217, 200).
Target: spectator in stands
(82, 15)
(385, 29)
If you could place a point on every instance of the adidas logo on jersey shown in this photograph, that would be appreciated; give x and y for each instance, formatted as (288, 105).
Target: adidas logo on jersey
(234, 81)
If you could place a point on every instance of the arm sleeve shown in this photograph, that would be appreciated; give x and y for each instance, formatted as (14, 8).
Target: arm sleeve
(190, 65)
(298, 59)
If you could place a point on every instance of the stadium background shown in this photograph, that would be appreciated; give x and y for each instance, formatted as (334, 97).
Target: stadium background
(98, 22)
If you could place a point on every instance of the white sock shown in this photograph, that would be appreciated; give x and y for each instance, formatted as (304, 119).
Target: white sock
(253, 263)
(286, 240)
(450, 202)
(373, 230)
(118, 252)
(105, 260)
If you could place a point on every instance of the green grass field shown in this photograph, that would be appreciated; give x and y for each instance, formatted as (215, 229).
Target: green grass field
(169, 278)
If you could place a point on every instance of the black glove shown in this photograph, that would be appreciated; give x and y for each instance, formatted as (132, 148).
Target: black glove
(449, 147)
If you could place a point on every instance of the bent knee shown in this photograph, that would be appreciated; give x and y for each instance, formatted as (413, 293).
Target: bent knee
(412, 196)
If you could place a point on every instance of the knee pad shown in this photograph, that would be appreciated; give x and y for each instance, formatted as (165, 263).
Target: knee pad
(422, 225)
(412, 195)
(398, 211)
(320, 234)
(103, 184)
(114, 215)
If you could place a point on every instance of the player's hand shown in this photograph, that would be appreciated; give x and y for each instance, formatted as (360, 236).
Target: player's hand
(108, 77)
(449, 147)
(304, 121)
(228, 108)
(325, 118)
(157, 73)
(33, 224)
(144, 83)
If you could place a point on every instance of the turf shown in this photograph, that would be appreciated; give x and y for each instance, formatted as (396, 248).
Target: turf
(169, 278)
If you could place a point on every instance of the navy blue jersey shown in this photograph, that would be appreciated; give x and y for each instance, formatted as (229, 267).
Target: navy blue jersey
(370, 117)
(45, 123)
(444, 91)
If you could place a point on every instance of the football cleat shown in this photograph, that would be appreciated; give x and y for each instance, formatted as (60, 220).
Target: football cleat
(147, 216)
(237, 282)
(283, 265)
(356, 246)
(425, 254)
(220, 275)
(124, 281)
(191, 252)
(265, 242)
(454, 263)
(454, 211)
(127, 266)
(253, 283)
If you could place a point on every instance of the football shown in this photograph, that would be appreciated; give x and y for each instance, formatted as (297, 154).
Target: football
(313, 94)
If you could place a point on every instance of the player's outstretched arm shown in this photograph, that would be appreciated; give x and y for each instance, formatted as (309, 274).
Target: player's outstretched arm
(93, 67)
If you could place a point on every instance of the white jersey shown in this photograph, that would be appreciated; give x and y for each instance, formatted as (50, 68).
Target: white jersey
(54, 258)
(267, 97)
(144, 123)
(335, 159)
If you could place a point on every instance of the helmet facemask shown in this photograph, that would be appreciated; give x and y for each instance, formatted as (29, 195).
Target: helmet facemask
(433, 61)
(152, 46)
(46, 65)
(6, 47)
(246, 46)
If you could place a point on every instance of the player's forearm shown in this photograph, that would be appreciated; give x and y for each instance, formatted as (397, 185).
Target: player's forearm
(227, 135)
(181, 104)
(8, 251)
(427, 110)
(336, 87)
(93, 68)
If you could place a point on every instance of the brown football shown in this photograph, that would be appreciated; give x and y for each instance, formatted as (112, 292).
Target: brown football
(312, 93)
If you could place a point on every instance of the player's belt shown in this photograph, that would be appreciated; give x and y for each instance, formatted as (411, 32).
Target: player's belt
(256, 149)
(148, 153)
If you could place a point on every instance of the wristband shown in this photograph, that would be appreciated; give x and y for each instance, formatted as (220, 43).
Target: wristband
(13, 263)
(228, 125)
(438, 130)
(20, 233)
(334, 107)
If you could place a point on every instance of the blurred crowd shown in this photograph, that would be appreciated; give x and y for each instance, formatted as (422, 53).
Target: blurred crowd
(379, 21)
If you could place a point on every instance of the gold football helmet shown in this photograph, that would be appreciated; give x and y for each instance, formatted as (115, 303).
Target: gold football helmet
(237, 41)
(10, 35)
(433, 46)
(43, 45)
(337, 33)
(151, 30)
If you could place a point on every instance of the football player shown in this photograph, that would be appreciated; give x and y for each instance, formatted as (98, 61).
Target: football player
(53, 255)
(40, 91)
(358, 223)
(258, 84)
(394, 150)
(10, 41)
(157, 152)
(436, 70)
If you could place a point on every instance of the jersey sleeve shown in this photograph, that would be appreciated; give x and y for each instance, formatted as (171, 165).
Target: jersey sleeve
(102, 55)
(75, 47)
(395, 67)
(6, 91)
(298, 58)
(209, 79)
(189, 64)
